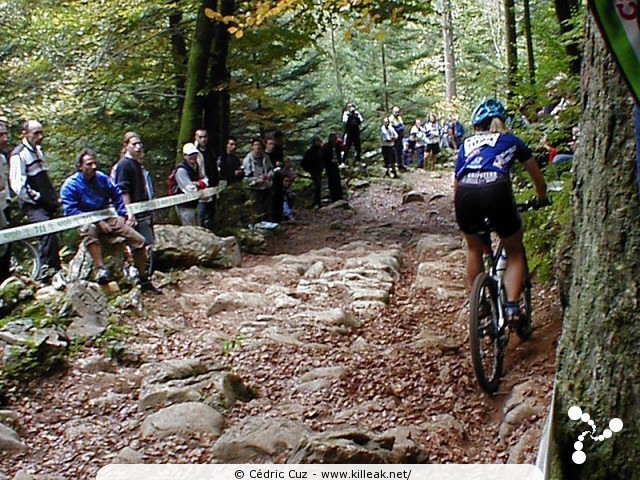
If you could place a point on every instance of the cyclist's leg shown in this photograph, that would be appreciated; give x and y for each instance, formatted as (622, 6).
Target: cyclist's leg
(474, 258)
(516, 265)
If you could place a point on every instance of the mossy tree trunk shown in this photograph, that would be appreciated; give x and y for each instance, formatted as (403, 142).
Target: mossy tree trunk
(565, 10)
(599, 351)
(193, 108)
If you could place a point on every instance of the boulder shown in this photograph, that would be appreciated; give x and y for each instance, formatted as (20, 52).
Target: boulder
(13, 291)
(258, 439)
(86, 301)
(183, 419)
(113, 252)
(230, 301)
(187, 246)
(354, 446)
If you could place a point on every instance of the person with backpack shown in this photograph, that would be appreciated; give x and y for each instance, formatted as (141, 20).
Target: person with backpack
(312, 164)
(398, 125)
(352, 121)
(38, 199)
(330, 152)
(189, 178)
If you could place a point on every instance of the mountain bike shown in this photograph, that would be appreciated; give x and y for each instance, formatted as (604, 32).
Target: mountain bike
(24, 260)
(488, 329)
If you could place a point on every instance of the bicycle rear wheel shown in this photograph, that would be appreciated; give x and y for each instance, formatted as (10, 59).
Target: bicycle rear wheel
(484, 335)
(25, 260)
(524, 329)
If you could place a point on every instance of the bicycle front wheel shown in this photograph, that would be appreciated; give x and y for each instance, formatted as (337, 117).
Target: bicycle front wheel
(484, 333)
(25, 260)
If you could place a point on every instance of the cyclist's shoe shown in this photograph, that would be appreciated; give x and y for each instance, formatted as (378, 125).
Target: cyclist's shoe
(147, 286)
(102, 275)
(512, 313)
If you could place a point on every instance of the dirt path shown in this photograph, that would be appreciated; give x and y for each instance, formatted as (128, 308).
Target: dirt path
(78, 422)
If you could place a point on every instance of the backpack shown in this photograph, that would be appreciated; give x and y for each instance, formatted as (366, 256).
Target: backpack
(172, 184)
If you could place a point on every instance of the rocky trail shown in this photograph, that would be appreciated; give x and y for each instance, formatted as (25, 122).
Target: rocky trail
(344, 340)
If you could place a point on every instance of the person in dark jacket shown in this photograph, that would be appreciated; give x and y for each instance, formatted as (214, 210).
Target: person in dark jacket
(37, 198)
(90, 190)
(312, 164)
(229, 164)
(207, 164)
(331, 152)
(352, 120)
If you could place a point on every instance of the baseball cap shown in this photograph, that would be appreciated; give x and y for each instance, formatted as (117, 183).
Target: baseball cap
(189, 149)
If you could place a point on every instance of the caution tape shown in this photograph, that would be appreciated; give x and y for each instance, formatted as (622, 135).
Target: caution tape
(66, 223)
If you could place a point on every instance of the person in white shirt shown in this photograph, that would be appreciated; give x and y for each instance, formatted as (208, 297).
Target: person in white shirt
(433, 131)
(417, 131)
(5, 253)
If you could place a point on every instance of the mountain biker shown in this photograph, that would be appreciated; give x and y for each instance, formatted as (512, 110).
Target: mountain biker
(483, 191)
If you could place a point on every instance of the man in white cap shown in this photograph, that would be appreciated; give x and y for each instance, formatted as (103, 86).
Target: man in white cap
(189, 178)
(37, 197)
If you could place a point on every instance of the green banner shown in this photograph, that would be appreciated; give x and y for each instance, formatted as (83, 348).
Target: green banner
(619, 24)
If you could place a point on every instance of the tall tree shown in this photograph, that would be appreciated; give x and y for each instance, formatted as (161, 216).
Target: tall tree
(565, 11)
(599, 358)
(449, 52)
(218, 105)
(197, 69)
(526, 17)
(511, 43)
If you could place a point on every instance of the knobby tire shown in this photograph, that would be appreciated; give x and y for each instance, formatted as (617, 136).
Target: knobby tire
(486, 350)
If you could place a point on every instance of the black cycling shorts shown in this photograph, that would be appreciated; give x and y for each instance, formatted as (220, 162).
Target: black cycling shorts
(495, 201)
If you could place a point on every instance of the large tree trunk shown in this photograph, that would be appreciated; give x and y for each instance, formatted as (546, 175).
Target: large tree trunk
(565, 9)
(218, 105)
(192, 111)
(511, 40)
(449, 52)
(599, 353)
(529, 38)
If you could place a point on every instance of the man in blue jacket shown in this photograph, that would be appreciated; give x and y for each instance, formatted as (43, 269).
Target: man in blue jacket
(90, 190)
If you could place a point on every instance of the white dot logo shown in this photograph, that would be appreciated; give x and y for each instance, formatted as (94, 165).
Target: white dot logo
(575, 413)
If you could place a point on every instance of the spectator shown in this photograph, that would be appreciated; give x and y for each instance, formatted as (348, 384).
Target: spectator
(258, 171)
(208, 167)
(312, 163)
(433, 131)
(5, 250)
(352, 121)
(130, 177)
(275, 148)
(388, 139)
(37, 197)
(287, 204)
(89, 190)
(189, 178)
(331, 159)
(398, 125)
(229, 163)
(458, 131)
(417, 131)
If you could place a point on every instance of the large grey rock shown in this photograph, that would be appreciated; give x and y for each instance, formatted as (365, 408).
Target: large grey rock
(189, 380)
(231, 301)
(81, 266)
(183, 419)
(354, 446)
(186, 246)
(336, 317)
(9, 440)
(258, 439)
(86, 301)
(21, 340)
(437, 244)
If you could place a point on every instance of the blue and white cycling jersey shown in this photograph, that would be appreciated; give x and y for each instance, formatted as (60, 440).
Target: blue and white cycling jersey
(490, 152)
